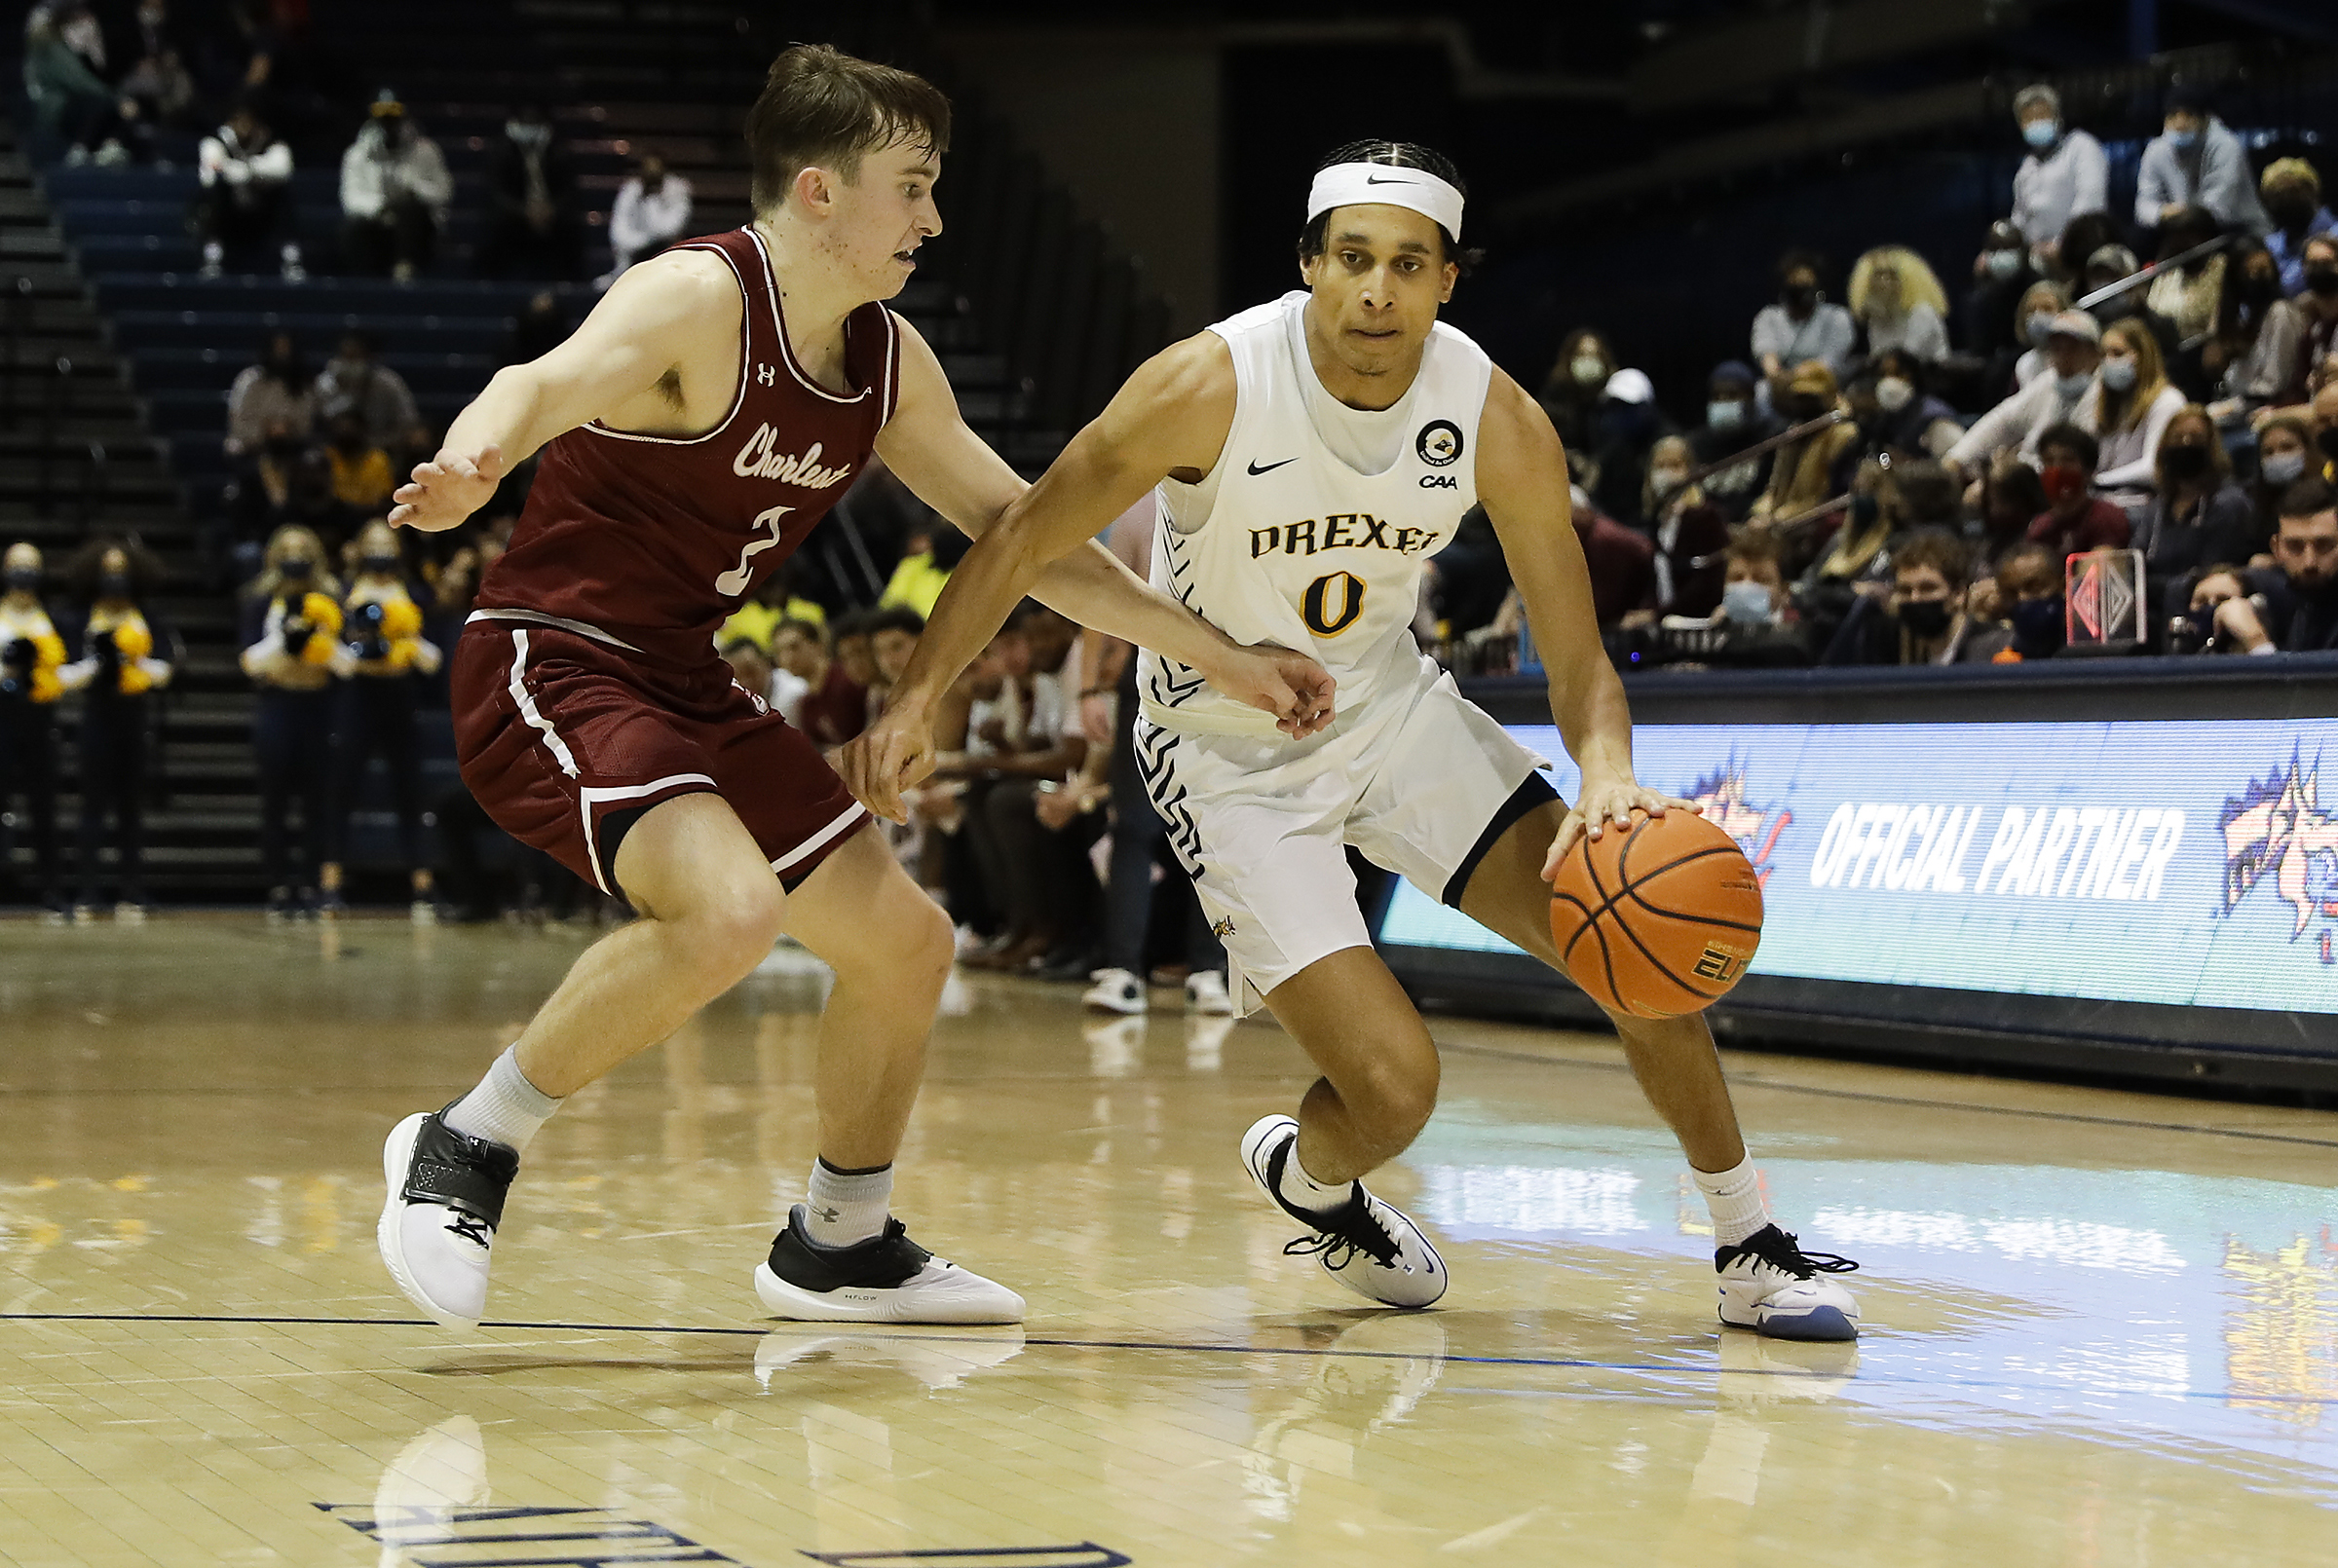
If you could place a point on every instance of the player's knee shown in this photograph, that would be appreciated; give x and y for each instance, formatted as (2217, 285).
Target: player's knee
(928, 944)
(732, 928)
(1394, 1101)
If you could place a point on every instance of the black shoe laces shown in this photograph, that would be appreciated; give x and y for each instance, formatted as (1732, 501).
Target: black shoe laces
(472, 1228)
(1782, 1250)
(1344, 1232)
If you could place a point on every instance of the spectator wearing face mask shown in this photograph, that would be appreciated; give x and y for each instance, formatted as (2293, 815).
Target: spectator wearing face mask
(276, 392)
(2064, 175)
(2127, 409)
(2075, 519)
(1689, 531)
(2291, 188)
(2255, 353)
(2041, 303)
(2196, 161)
(390, 660)
(2012, 496)
(125, 652)
(1922, 620)
(2074, 351)
(362, 478)
(294, 655)
(356, 378)
(2301, 613)
(1855, 561)
(2318, 306)
(1899, 303)
(31, 653)
(1733, 422)
(2286, 454)
(2197, 513)
(1802, 327)
(1762, 627)
(245, 175)
(1578, 379)
(395, 194)
(2002, 275)
(2025, 598)
(1815, 470)
(1896, 414)
(531, 203)
(652, 211)
(2188, 296)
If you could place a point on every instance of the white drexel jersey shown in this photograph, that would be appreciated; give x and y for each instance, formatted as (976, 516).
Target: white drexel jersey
(1284, 542)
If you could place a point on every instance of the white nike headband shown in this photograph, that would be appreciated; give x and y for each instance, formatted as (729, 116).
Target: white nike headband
(1415, 189)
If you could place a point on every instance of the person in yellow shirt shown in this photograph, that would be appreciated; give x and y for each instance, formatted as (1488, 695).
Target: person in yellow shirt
(758, 619)
(124, 657)
(362, 476)
(30, 655)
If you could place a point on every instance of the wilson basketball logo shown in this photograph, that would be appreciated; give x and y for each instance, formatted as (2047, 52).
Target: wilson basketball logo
(1719, 963)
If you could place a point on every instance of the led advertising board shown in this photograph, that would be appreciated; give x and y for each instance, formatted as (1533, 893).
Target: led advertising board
(2185, 863)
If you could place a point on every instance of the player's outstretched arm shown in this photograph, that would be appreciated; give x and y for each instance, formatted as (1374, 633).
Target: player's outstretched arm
(1173, 414)
(678, 309)
(1522, 481)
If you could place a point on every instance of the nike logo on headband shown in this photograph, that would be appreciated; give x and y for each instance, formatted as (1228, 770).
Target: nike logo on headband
(1374, 180)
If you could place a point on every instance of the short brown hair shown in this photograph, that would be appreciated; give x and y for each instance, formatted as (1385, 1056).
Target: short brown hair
(1936, 548)
(1753, 546)
(822, 107)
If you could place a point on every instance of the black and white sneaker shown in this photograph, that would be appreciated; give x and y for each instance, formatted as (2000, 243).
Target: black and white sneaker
(446, 1198)
(887, 1279)
(1370, 1247)
(1772, 1286)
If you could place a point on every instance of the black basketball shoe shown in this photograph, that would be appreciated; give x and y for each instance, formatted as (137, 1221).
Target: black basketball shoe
(887, 1279)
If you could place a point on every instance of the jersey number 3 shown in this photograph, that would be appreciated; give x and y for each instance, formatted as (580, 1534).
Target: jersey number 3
(1333, 603)
(734, 583)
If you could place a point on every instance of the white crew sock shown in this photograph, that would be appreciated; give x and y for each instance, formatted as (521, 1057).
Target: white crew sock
(1734, 1199)
(504, 1109)
(844, 1206)
(1306, 1193)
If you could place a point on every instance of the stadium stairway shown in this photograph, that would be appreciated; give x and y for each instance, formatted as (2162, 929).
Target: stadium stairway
(77, 458)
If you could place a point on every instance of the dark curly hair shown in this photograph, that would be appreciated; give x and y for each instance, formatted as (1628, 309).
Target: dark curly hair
(1396, 155)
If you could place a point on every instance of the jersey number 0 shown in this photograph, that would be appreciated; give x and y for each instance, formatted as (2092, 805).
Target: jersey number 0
(1333, 603)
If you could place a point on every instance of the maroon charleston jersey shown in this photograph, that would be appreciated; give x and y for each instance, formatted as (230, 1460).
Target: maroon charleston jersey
(654, 540)
(586, 685)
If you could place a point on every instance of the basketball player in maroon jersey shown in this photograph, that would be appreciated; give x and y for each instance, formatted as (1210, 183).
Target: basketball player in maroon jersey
(700, 421)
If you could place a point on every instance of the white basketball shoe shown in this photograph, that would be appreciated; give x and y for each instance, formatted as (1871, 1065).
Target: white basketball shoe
(1118, 991)
(887, 1279)
(1771, 1286)
(1368, 1246)
(446, 1198)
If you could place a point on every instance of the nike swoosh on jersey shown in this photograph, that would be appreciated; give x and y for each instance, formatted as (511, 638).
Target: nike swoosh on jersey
(1270, 467)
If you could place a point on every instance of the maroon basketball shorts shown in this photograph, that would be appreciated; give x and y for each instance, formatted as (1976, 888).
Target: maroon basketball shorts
(566, 742)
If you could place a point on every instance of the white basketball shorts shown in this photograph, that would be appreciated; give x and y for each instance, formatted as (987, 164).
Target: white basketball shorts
(1422, 782)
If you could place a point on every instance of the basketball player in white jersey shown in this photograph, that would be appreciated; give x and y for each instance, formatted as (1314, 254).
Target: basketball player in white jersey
(1310, 455)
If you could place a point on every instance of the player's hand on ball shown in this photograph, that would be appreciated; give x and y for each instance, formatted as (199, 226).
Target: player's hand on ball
(447, 489)
(1292, 686)
(1604, 802)
(887, 757)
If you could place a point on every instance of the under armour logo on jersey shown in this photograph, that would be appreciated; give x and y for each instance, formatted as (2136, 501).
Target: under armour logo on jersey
(765, 375)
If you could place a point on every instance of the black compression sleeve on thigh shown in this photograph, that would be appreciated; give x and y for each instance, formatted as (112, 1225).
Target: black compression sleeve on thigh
(1529, 796)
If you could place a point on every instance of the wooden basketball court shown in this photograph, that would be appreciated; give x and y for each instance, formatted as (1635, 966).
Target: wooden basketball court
(2103, 1329)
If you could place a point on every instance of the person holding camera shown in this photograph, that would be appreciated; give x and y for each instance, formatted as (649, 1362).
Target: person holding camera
(294, 654)
(122, 660)
(30, 655)
(381, 628)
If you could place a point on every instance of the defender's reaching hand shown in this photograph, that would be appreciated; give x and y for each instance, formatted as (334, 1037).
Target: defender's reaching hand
(447, 489)
(887, 757)
(1292, 686)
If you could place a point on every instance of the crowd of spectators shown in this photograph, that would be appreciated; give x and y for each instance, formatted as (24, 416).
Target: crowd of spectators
(1905, 477)
(132, 85)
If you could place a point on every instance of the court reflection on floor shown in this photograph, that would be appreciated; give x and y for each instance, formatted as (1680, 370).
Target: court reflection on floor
(2102, 1328)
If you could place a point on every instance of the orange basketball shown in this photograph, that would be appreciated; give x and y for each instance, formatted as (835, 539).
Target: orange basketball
(1658, 918)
